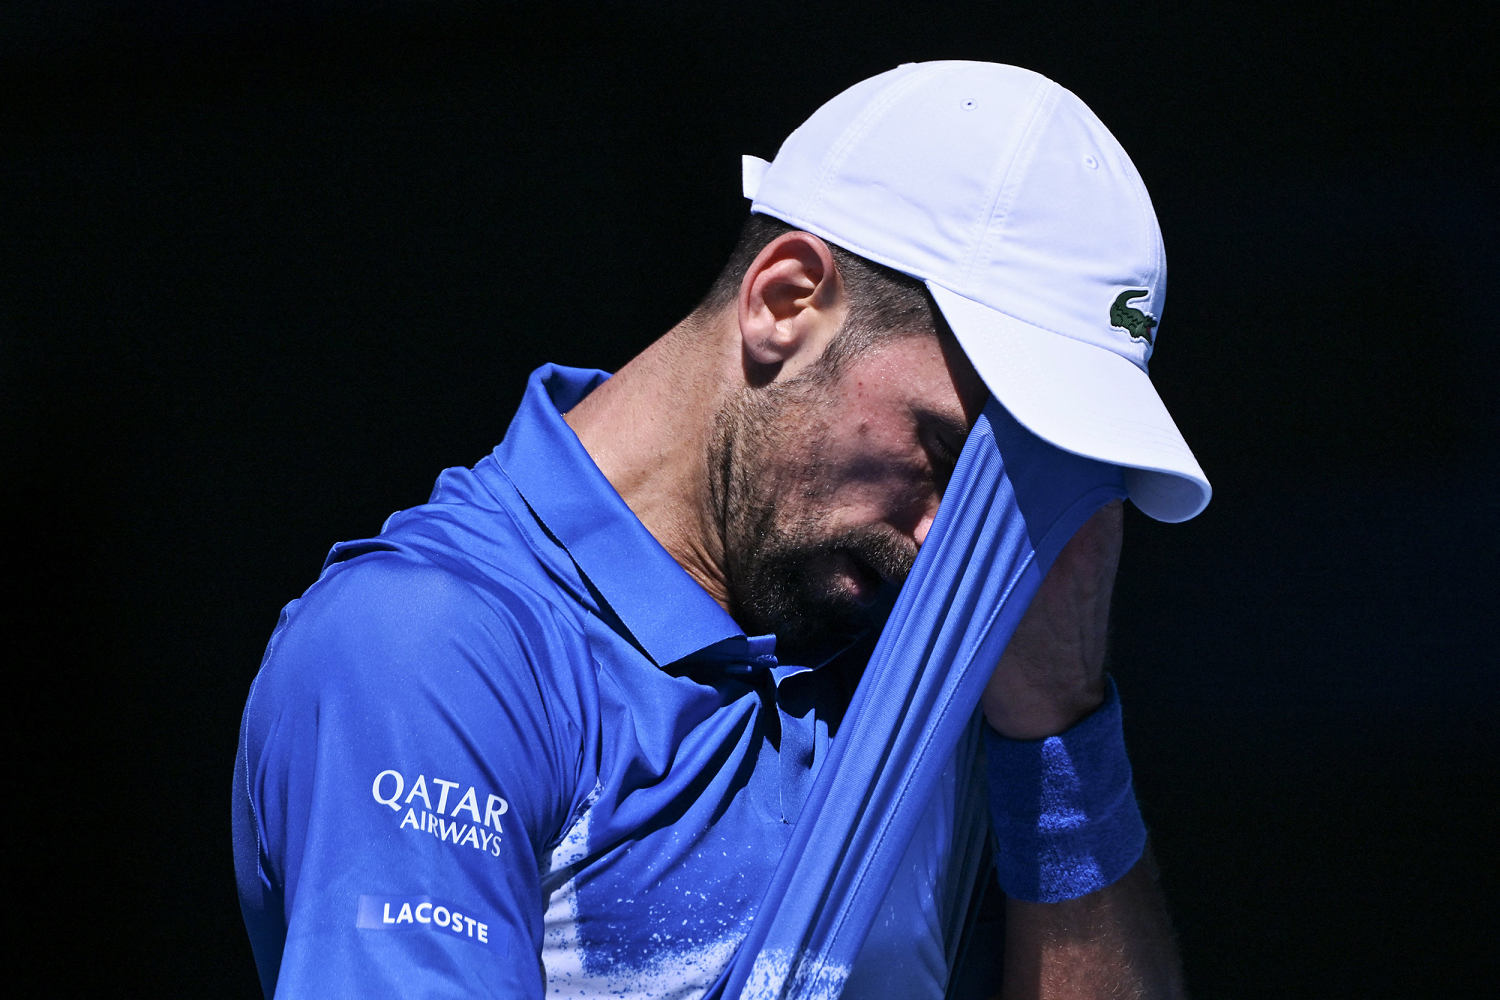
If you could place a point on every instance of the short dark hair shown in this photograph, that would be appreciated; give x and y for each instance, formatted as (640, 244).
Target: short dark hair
(883, 302)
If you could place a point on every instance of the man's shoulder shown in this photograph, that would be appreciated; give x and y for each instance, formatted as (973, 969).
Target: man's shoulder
(397, 595)
(392, 620)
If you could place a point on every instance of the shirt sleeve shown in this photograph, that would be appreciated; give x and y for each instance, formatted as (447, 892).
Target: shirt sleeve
(409, 750)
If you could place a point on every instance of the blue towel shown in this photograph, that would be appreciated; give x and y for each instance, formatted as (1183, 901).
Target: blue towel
(1012, 504)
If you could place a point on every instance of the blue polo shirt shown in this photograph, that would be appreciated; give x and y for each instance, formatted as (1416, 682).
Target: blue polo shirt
(509, 747)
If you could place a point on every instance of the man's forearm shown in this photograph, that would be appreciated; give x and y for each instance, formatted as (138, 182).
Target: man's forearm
(1114, 942)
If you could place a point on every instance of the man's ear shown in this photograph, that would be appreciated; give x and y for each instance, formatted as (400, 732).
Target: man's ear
(791, 303)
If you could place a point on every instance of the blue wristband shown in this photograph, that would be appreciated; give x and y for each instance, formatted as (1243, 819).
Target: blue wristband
(1064, 811)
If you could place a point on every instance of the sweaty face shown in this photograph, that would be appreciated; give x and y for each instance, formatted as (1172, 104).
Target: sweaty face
(826, 485)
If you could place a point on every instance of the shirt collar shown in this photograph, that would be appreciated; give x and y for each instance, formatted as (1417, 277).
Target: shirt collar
(671, 618)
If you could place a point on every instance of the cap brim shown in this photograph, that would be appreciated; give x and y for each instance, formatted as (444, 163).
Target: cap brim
(1083, 399)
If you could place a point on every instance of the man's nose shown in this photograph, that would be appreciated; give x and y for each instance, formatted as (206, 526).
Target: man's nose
(923, 526)
(918, 509)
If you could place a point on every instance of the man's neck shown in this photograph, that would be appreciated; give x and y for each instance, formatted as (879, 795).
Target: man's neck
(648, 429)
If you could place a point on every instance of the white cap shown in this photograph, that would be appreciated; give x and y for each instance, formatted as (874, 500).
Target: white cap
(1034, 233)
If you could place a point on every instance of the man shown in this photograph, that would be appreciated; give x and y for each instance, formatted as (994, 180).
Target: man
(552, 731)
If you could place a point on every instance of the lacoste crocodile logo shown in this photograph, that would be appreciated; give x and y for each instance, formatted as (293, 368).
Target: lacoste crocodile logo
(1130, 319)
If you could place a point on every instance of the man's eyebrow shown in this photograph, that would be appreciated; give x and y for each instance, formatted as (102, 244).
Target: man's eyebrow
(946, 426)
(945, 421)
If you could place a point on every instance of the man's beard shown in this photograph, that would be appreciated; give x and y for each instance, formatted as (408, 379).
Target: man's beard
(791, 584)
(786, 571)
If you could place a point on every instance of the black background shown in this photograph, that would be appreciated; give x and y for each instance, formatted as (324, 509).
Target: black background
(269, 267)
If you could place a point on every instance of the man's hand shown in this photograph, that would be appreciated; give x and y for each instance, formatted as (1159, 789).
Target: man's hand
(1052, 671)
(1116, 941)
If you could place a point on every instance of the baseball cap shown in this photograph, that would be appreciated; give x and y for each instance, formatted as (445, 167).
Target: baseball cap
(1033, 231)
